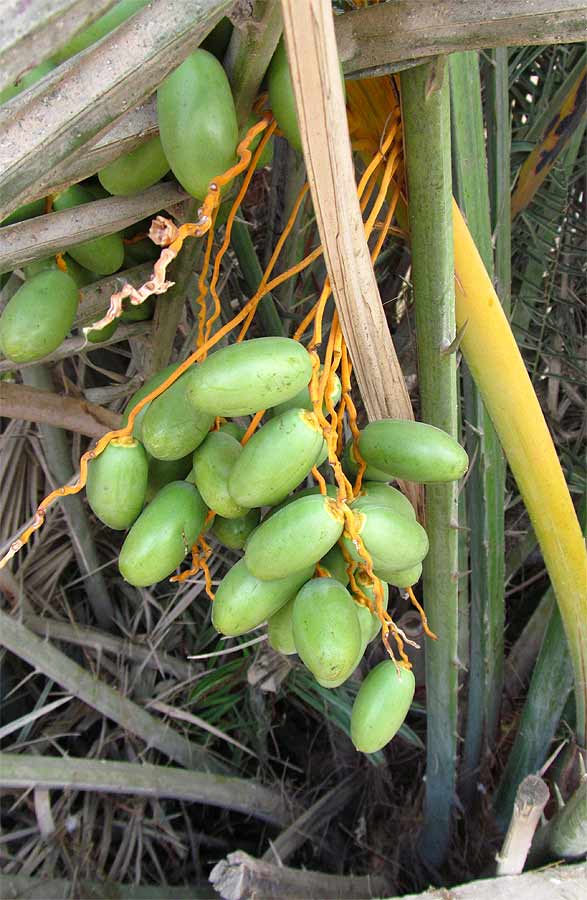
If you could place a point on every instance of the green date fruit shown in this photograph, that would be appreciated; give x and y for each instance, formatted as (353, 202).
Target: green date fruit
(295, 537)
(381, 706)
(171, 428)
(326, 630)
(244, 602)
(117, 483)
(197, 122)
(103, 255)
(135, 171)
(162, 471)
(393, 541)
(162, 536)
(280, 629)
(374, 493)
(214, 461)
(150, 385)
(276, 459)
(233, 533)
(38, 316)
(244, 378)
(413, 451)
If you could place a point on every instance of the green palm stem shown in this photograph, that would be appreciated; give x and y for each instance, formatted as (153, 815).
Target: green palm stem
(426, 122)
(485, 485)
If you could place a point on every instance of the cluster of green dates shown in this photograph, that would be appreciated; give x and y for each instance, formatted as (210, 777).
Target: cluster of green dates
(177, 464)
(197, 140)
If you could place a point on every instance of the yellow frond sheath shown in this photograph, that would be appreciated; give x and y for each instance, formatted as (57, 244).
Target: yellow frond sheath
(498, 368)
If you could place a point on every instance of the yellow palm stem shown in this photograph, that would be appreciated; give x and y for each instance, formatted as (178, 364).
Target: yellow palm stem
(499, 371)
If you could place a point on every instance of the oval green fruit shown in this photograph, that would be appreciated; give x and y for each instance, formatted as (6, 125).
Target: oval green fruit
(351, 467)
(281, 97)
(295, 537)
(98, 335)
(38, 316)
(326, 629)
(233, 533)
(135, 171)
(139, 313)
(413, 451)
(150, 385)
(280, 629)
(162, 536)
(244, 378)
(197, 122)
(117, 483)
(162, 471)
(26, 211)
(402, 578)
(381, 706)
(103, 255)
(306, 492)
(302, 399)
(335, 564)
(76, 272)
(374, 493)
(171, 428)
(370, 624)
(213, 464)
(276, 459)
(393, 541)
(243, 602)
(234, 429)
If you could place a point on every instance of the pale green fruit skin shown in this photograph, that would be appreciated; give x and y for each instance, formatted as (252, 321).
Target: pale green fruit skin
(326, 629)
(117, 484)
(351, 467)
(171, 428)
(276, 459)
(103, 255)
(381, 706)
(245, 378)
(394, 542)
(413, 451)
(306, 492)
(213, 463)
(153, 382)
(244, 602)
(80, 275)
(163, 471)
(197, 122)
(233, 533)
(281, 97)
(374, 493)
(335, 564)
(302, 399)
(370, 624)
(38, 316)
(234, 430)
(135, 171)
(295, 537)
(280, 629)
(163, 534)
(404, 577)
